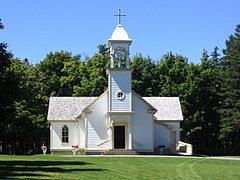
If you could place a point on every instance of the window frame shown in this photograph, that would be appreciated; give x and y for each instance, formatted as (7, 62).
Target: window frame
(65, 134)
(120, 95)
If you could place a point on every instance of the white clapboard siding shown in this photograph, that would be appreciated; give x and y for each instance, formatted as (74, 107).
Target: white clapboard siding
(142, 125)
(57, 134)
(120, 81)
(97, 123)
(161, 135)
(93, 138)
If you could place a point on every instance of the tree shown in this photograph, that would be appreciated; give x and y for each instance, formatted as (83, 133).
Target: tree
(5, 58)
(21, 131)
(103, 49)
(1, 24)
(94, 77)
(215, 56)
(142, 75)
(72, 75)
(230, 92)
(51, 70)
(6, 90)
(170, 75)
(201, 124)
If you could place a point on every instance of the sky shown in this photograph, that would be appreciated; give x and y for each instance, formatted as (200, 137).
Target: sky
(34, 28)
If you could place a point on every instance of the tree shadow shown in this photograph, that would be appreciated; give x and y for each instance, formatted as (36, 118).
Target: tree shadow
(27, 169)
(40, 163)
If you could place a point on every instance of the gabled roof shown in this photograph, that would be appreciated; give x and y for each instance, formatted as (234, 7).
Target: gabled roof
(67, 108)
(168, 108)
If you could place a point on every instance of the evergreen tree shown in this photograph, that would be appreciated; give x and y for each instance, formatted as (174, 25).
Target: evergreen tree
(201, 124)
(230, 92)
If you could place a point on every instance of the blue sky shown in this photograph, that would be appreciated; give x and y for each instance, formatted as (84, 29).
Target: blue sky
(33, 28)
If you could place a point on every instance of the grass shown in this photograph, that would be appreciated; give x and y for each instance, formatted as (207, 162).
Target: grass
(85, 167)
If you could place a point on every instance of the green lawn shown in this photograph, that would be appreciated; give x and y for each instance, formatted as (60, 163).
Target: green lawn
(85, 167)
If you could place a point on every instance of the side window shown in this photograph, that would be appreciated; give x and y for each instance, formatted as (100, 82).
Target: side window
(65, 135)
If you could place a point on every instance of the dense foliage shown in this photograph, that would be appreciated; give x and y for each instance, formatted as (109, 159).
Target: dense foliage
(230, 93)
(209, 93)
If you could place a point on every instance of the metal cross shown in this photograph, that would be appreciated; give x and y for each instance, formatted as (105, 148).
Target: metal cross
(119, 16)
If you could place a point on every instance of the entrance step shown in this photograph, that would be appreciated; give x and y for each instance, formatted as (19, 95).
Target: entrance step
(121, 152)
(95, 152)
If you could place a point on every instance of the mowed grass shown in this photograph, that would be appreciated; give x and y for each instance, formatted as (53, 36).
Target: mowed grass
(90, 167)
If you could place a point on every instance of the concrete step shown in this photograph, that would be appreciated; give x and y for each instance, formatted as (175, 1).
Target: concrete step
(94, 152)
(121, 152)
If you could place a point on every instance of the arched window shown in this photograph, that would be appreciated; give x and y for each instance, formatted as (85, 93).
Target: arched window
(65, 134)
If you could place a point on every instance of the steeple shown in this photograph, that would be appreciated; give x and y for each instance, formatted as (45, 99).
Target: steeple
(119, 86)
(119, 78)
(119, 44)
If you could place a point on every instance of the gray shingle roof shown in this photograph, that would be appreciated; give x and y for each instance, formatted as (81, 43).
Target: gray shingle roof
(168, 108)
(68, 108)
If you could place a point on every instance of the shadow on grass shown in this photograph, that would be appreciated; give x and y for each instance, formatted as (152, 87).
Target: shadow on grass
(27, 169)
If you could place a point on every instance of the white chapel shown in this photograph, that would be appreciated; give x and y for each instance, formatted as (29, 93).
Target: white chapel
(119, 120)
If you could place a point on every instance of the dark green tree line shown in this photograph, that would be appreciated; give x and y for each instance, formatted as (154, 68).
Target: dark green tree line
(209, 93)
(201, 124)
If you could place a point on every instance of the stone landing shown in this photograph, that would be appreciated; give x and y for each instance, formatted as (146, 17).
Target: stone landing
(121, 152)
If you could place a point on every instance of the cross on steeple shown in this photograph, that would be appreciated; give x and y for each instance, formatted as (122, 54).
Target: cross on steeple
(119, 15)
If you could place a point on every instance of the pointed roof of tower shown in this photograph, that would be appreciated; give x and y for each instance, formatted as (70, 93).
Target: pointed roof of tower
(120, 34)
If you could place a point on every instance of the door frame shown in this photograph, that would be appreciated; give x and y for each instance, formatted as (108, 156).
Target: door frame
(125, 124)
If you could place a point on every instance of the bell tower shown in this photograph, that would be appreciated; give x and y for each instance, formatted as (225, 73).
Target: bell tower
(119, 80)
(120, 90)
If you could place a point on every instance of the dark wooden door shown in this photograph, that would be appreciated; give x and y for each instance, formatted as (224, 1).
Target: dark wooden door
(119, 137)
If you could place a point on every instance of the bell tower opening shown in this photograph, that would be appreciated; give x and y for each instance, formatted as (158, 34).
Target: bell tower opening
(119, 44)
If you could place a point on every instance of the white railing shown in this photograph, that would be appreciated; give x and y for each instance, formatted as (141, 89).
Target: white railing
(104, 142)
